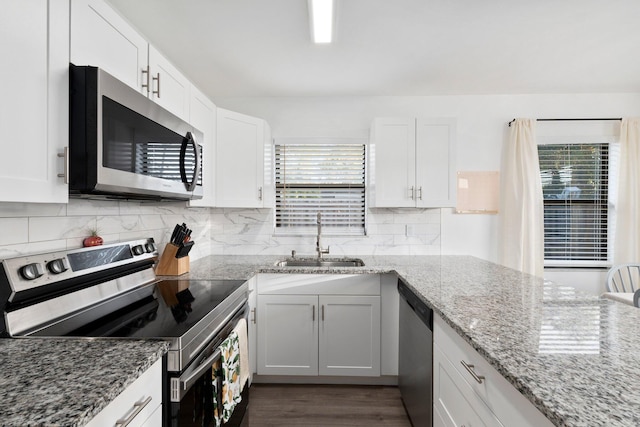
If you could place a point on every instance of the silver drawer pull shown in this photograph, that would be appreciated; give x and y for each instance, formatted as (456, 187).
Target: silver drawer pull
(65, 156)
(469, 368)
(139, 406)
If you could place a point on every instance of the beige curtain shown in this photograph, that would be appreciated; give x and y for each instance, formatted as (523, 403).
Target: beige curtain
(521, 206)
(627, 241)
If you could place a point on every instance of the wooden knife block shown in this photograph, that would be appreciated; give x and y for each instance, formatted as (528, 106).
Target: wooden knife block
(169, 265)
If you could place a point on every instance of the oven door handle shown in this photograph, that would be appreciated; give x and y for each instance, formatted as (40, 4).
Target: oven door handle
(186, 383)
(229, 318)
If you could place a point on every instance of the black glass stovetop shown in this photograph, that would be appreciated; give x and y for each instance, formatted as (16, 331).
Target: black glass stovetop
(171, 310)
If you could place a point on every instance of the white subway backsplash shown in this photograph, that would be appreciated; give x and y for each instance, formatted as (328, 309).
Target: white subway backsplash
(32, 228)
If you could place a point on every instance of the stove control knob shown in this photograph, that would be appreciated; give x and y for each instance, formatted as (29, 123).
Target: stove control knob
(32, 271)
(138, 250)
(150, 247)
(58, 266)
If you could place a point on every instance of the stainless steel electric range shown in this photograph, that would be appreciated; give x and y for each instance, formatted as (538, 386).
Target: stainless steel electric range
(112, 291)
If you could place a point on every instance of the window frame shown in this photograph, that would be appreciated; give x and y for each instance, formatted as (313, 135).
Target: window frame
(585, 134)
(311, 230)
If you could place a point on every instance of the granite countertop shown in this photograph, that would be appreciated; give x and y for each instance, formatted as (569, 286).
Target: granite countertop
(571, 354)
(67, 381)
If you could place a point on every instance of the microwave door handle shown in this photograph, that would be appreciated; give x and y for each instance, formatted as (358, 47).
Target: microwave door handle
(189, 139)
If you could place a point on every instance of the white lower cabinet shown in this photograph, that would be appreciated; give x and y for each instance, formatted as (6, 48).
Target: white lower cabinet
(140, 403)
(322, 329)
(475, 395)
(455, 402)
(287, 335)
(349, 335)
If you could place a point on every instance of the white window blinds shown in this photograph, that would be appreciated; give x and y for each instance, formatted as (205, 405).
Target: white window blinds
(320, 177)
(575, 186)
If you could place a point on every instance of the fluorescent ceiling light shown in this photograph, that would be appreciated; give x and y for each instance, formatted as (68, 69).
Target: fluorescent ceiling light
(321, 14)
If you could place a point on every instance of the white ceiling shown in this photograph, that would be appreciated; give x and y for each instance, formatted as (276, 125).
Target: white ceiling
(398, 47)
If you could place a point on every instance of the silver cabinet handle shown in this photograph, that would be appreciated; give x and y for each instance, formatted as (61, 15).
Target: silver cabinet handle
(139, 406)
(420, 193)
(412, 193)
(313, 313)
(260, 193)
(65, 156)
(157, 80)
(469, 368)
(146, 85)
(323, 312)
(253, 312)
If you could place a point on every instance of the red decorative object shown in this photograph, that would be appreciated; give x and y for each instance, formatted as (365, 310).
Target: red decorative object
(93, 240)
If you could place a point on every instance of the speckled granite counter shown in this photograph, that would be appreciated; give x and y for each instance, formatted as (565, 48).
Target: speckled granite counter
(572, 355)
(66, 382)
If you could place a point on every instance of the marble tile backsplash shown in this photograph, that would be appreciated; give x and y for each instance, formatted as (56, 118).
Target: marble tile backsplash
(389, 232)
(32, 228)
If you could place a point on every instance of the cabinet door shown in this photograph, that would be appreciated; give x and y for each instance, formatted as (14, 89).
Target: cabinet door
(239, 160)
(455, 402)
(287, 335)
(102, 38)
(349, 335)
(169, 87)
(435, 162)
(34, 89)
(202, 115)
(393, 156)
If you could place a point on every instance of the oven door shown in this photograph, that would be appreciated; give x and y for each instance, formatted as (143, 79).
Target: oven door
(192, 392)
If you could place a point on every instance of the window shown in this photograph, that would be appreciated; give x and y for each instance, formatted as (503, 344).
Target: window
(313, 177)
(575, 187)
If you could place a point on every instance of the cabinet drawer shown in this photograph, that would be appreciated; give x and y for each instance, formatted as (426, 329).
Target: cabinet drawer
(319, 284)
(455, 402)
(509, 405)
(143, 395)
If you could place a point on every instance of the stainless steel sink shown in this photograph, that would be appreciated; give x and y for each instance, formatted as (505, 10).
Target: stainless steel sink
(351, 262)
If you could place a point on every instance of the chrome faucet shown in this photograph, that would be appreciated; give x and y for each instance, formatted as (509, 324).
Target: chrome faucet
(319, 248)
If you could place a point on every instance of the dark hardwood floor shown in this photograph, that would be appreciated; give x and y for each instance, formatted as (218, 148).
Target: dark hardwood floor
(325, 405)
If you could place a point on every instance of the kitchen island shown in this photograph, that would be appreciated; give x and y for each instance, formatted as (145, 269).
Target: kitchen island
(572, 355)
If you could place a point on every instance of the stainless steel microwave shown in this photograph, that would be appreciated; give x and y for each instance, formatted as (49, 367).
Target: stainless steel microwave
(123, 145)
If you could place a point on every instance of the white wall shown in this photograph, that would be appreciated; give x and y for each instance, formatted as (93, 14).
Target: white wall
(482, 129)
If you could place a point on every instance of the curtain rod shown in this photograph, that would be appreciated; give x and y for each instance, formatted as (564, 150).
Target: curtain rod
(568, 120)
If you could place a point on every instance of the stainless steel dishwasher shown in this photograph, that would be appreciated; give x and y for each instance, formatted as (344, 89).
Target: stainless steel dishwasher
(415, 361)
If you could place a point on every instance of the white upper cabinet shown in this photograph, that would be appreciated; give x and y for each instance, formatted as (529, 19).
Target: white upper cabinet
(239, 160)
(100, 37)
(413, 162)
(202, 115)
(169, 87)
(34, 89)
